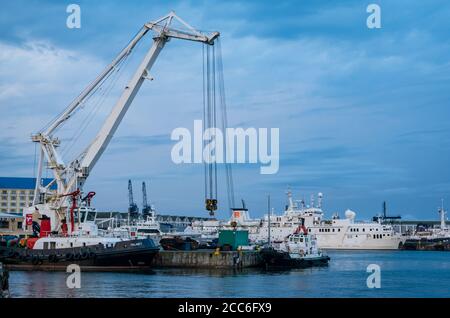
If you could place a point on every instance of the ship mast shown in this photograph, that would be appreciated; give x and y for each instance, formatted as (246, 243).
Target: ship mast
(442, 214)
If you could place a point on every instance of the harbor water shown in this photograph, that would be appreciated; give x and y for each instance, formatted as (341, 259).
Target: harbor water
(403, 274)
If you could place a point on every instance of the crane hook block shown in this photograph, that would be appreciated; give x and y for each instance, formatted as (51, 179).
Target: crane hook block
(211, 205)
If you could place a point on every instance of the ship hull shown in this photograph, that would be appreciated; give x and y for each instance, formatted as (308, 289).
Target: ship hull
(124, 255)
(434, 244)
(277, 260)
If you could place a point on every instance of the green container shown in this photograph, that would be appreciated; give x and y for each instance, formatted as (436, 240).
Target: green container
(233, 238)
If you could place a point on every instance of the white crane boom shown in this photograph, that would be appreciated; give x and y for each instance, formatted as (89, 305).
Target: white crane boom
(72, 177)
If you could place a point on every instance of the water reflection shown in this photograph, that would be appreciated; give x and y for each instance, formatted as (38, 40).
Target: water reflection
(404, 274)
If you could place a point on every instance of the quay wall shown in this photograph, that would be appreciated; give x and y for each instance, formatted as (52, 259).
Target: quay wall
(207, 259)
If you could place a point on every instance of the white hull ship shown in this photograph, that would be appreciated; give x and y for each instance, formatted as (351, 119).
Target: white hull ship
(143, 228)
(331, 234)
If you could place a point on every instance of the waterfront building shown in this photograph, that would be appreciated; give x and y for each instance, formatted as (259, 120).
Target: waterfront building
(17, 193)
(10, 224)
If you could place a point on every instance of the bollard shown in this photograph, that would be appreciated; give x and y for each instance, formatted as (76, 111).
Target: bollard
(4, 282)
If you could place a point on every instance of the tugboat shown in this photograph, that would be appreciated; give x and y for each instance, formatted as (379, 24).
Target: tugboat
(298, 251)
(108, 254)
(82, 244)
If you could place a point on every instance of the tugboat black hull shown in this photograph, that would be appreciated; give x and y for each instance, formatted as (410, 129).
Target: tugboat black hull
(123, 256)
(279, 260)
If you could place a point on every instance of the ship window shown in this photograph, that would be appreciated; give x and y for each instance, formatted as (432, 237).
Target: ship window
(45, 245)
(364, 229)
(150, 231)
(90, 216)
(52, 245)
(71, 244)
(333, 230)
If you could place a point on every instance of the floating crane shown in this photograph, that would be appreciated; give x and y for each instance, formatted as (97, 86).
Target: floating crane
(146, 208)
(133, 210)
(72, 176)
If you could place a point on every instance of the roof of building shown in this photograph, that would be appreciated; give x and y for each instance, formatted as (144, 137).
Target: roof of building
(22, 183)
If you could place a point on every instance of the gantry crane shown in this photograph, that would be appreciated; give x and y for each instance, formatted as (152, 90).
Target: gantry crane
(133, 210)
(146, 208)
(71, 176)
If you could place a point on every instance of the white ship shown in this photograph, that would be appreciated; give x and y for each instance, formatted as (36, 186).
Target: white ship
(331, 234)
(140, 229)
(335, 233)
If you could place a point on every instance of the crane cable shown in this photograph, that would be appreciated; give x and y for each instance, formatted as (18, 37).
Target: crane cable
(53, 120)
(224, 117)
(213, 94)
(209, 123)
(103, 91)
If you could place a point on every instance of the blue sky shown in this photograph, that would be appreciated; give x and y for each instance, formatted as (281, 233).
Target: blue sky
(363, 114)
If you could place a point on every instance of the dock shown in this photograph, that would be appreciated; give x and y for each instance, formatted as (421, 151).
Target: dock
(207, 259)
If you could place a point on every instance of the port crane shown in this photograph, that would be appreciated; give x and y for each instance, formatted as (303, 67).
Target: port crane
(146, 208)
(71, 176)
(133, 210)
